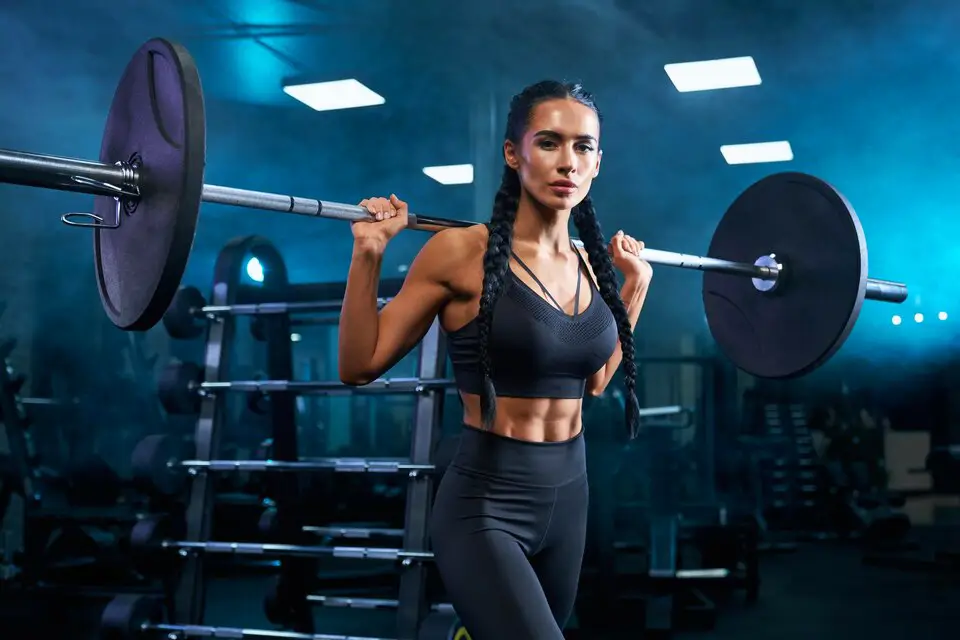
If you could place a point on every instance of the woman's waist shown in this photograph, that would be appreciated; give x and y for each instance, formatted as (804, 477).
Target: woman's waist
(518, 460)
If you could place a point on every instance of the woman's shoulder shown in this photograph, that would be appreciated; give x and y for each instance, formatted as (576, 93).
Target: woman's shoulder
(461, 240)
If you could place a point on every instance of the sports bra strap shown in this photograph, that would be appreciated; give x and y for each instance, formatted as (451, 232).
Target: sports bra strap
(582, 265)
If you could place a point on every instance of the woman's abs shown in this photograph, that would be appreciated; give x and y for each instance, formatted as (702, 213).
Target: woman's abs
(531, 419)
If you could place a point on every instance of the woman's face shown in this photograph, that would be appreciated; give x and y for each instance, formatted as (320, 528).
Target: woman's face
(559, 155)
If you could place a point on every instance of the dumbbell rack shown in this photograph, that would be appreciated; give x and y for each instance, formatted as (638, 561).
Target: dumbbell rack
(295, 573)
(411, 603)
(789, 469)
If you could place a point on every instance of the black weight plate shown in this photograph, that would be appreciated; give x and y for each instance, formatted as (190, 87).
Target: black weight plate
(124, 616)
(816, 234)
(175, 388)
(180, 319)
(150, 464)
(156, 119)
(146, 538)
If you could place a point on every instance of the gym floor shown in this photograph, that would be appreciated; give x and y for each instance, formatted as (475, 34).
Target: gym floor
(824, 591)
(821, 591)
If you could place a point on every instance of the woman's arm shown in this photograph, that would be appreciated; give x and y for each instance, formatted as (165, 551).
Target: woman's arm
(370, 343)
(633, 293)
(625, 255)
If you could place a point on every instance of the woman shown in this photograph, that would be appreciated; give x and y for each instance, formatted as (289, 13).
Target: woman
(526, 341)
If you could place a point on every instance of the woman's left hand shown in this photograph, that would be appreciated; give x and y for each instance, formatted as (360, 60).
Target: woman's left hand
(625, 252)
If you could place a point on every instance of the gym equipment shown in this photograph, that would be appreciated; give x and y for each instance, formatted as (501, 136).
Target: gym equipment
(149, 183)
(149, 535)
(670, 585)
(135, 617)
(658, 589)
(817, 296)
(274, 600)
(44, 402)
(354, 532)
(189, 312)
(156, 462)
(941, 556)
(181, 387)
(298, 558)
(781, 443)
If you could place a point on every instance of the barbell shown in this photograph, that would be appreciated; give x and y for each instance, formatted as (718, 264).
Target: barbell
(140, 617)
(781, 294)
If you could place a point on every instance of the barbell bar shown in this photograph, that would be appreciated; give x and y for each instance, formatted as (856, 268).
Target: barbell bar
(295, 550)
(236, 633)
(326, 387)
(47, 402)
(157, 462)
(93, 178)
(783, 285)
(353, 532)
(138, 617)
(299, 466)
(188, 312)
(152, 534)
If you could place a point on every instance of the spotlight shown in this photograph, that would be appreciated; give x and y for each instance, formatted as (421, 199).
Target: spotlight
(942, 315)
(255, 270)
(897, 319)
(918, 318)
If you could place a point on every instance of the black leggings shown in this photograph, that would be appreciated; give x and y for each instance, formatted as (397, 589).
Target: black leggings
(508, 530)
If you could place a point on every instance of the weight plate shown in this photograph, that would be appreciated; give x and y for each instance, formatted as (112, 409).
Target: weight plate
(176, 388)
(180, 319)
(157, 121)
(812, 229)
(150, 464)
(125, 615)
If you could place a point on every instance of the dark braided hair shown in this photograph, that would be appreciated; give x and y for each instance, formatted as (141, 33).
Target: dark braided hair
(496, 260)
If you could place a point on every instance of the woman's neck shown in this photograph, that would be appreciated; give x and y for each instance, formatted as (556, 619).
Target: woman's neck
(542, 227)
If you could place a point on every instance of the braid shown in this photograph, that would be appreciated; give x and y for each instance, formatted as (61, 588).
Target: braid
(496, 262)
(585, 219)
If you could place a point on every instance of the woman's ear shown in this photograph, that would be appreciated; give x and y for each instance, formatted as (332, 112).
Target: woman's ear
(510, 155)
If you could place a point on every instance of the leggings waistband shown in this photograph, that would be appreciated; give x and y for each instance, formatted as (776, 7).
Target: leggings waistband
(542, 464)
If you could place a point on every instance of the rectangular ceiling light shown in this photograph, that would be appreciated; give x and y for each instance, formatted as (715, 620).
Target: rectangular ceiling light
(337, 94)
(757, 152)
(705, 75)
(451, 173)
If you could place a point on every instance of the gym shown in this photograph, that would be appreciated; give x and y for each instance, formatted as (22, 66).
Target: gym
(195, 195)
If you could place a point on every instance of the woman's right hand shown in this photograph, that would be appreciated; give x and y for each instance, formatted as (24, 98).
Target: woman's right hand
(388, 218)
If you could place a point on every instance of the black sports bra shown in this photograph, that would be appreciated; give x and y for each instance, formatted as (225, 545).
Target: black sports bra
(536, 349)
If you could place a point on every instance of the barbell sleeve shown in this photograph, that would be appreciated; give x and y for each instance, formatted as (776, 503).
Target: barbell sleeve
(886, 291)
(64, 174)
